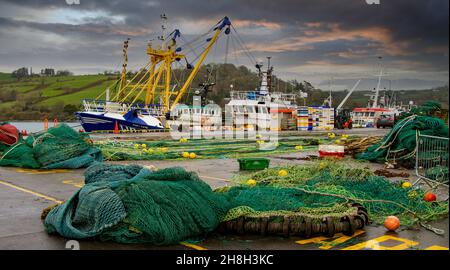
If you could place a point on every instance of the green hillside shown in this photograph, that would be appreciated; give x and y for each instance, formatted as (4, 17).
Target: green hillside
(35, 98)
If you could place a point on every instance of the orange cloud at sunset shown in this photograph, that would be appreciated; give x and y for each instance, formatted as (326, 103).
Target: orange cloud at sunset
(261, 23)
(334, 32)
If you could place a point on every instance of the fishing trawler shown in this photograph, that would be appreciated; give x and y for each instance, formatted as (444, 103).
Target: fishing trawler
(146, 101)
(261, 109)
(203, 114)
(377, 105)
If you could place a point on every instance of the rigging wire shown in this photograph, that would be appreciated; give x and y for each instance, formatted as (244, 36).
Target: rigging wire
(226, 49)
(188, 45)
(246, 50)
(235, 52)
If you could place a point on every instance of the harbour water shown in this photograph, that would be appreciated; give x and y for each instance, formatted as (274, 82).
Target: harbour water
(32, 127)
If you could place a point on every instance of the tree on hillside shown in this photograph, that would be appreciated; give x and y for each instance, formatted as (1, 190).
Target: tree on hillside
(71, 109)
(20, 73)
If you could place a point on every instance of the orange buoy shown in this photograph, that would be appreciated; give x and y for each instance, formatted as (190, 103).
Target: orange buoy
(429, 197)
(24, 132)
(116, 128)
(392, 223)
(45, 124)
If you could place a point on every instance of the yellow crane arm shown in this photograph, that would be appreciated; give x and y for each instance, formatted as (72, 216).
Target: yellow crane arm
(155, 84)
(196, 68)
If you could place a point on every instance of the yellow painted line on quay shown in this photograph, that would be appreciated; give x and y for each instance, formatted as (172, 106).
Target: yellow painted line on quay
(325, 242)
(436, 248)
(36, 171)
(375, 244)
(48, 198)
(196, 247)
(78, 184)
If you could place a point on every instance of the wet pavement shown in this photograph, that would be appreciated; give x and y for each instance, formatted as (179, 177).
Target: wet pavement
(25, 193)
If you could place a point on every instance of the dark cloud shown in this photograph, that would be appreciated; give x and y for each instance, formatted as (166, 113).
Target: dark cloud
(301, 35)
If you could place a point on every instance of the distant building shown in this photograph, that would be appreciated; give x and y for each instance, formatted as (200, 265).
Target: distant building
(47, 72)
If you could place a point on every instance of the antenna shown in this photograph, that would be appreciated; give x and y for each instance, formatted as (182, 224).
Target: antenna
(269, 74)
(330, 98)
(123, 76)
(377, 90)
(163, 27)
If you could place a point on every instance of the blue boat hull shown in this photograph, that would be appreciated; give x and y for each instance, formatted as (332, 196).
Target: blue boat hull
(93, 122)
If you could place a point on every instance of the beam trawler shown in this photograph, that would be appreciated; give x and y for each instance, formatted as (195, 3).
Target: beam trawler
(145, 101)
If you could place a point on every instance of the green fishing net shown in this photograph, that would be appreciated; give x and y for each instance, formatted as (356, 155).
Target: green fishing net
(59, 147)
(329, 183)
(160, 208)
(203, 148)
(400, 143)
(428, 108)
(132, 204)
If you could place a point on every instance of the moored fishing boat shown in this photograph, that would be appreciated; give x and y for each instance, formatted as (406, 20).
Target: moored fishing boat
(145, 101)
(263, 108)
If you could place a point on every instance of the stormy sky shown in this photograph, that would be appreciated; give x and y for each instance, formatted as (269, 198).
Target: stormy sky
(313, 40)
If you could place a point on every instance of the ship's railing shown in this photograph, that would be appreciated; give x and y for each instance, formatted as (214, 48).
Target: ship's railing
(255, 95)
(246, 95)
(92, 105)
(283, 96)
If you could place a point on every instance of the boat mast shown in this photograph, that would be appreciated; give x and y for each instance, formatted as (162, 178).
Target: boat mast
(163, 55)
(156, 74)
(123, 75)
(225, 22)
(377, 90)
(330, 97)
(269, 74)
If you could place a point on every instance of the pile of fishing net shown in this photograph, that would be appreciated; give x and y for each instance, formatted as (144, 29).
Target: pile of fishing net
(59, 147)
(203, 148)
(400, 143)
(325, 184)
(428, 108)
(133, 204)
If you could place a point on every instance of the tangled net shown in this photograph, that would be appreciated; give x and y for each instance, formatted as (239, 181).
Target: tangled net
(428, 108)
(203, 148)
(400, 143)
(328, 183)
(132, 204)
(59, 147)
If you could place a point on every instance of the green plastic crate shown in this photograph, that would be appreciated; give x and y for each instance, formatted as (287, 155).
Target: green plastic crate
(246, 164)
